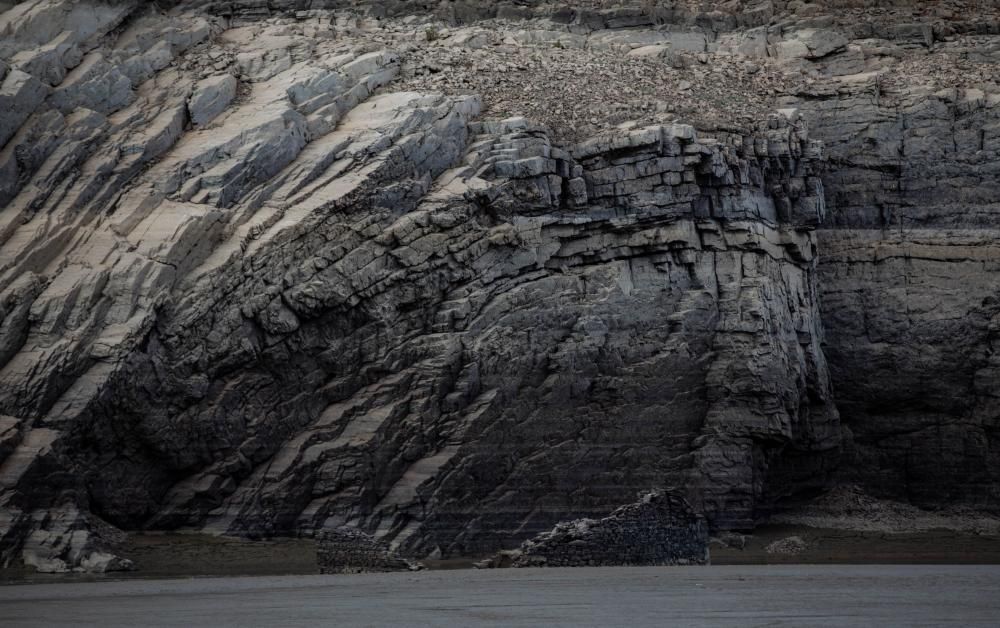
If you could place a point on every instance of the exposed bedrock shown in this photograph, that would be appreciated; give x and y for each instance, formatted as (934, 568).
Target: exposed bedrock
(908, 278)
(461, 364)
(298, 304)
(273, 268)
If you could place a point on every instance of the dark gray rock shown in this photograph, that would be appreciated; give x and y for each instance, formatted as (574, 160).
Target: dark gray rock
(327, 302)
(659, 529)
(907, 282)
(348, 550)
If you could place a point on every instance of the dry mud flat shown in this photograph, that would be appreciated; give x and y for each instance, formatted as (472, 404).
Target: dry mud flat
(776, 595)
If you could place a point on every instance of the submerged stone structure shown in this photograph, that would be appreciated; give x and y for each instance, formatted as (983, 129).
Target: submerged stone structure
(659, 529)
(349, 550)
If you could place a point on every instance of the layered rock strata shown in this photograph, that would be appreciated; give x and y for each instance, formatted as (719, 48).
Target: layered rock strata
(908, 265)
(908, 277)
(273, 268)
(292, 304)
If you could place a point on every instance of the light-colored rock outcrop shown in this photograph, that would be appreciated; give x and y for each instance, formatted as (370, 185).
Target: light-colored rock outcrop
(210, 97)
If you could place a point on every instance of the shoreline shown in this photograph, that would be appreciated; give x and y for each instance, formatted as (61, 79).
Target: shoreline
(194, 555)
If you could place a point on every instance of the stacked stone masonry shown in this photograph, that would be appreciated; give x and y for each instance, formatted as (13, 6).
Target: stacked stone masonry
(659, 529)
(348, 550)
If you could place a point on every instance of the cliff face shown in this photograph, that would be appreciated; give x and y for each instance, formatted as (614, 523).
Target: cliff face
(908, 278)
(263, 272)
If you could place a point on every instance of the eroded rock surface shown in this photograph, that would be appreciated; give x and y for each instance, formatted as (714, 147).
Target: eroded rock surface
(454, 277)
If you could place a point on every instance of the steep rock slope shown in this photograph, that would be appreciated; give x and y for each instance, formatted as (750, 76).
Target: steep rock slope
(284, 302)
(908, 281)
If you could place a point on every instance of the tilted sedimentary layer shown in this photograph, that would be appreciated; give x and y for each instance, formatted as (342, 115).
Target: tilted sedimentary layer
(248, 285)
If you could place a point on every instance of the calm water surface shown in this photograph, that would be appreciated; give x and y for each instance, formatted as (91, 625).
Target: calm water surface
(792, 595)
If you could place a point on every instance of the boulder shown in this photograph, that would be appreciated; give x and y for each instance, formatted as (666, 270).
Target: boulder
(211, 96)
(811, 43)
(20, 95)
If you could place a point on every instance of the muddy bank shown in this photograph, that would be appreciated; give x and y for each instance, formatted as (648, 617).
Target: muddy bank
(186, 555)
(833, 546)
(193, 555)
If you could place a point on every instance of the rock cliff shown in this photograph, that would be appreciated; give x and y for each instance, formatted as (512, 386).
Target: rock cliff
(454, 272)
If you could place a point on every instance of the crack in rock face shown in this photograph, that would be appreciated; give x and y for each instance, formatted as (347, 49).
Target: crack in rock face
(269, 269)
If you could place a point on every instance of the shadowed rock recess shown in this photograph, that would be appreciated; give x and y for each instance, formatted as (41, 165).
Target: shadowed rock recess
(453, 272)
